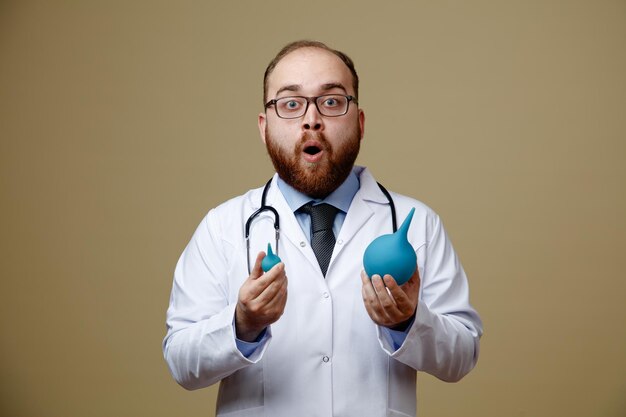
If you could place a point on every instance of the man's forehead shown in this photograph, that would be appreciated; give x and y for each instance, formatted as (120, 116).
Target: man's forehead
(307, 67)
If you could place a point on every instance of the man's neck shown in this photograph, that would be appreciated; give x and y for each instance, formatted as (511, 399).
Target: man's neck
(340, 198)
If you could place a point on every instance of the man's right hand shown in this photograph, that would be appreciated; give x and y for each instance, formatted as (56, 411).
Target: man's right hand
(262, 299)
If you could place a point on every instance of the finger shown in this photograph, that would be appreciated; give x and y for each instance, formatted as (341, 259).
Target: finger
(368, 291)
(378, 285)
(261, 312)
(387, 302)
(255, 285)
(402, 300)
(365, 280)
(276, 299)
(276, 273)
(414, 280)
(416, 275)
(412, 287)
(381, 305)
(393, 288)
(257, 271)
(273, 287)
(370, 300)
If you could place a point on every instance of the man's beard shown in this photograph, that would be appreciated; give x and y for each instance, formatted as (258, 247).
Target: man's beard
(317, 179)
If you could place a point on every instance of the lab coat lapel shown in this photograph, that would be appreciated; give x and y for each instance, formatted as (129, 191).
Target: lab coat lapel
(360, 210)
(358, 214)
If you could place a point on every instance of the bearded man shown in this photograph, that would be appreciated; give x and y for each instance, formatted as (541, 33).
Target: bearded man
(330, 340)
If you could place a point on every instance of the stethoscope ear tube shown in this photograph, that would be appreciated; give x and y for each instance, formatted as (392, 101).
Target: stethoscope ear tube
(394, 223)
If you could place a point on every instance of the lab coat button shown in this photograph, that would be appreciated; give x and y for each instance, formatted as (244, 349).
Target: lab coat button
(325, 359)
(340, 242)
(326, 295)
(303, 243)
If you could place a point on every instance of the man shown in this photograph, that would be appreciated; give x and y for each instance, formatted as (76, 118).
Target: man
(314, 335)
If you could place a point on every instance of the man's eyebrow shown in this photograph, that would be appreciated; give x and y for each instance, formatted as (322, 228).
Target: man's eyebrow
(290, 87)
(331, 86)
(324, 87)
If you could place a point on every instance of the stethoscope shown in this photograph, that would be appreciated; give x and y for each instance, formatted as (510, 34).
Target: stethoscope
(265, 207)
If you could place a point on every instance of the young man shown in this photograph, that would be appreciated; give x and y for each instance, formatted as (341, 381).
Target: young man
(328, 340)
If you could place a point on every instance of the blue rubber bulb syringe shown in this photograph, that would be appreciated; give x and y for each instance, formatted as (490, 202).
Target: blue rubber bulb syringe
(270, 259)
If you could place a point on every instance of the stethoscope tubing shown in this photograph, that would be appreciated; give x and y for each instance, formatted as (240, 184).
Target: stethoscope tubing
(265, 207)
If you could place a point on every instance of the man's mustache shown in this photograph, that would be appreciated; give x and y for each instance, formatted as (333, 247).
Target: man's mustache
(317, 136)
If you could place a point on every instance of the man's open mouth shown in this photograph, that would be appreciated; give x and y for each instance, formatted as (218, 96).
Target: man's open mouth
(312, 150)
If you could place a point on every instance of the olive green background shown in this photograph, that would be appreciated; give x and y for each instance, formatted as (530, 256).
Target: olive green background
(123, 122)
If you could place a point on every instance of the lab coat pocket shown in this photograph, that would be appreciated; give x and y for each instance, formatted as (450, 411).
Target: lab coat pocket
(242, 393)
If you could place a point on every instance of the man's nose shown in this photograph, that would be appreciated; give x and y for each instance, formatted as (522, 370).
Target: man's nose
(312, 119)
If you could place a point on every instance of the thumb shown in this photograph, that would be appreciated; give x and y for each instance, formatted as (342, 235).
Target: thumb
(257, 271)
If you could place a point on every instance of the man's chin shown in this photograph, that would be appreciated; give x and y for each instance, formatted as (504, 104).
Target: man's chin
(314, 167)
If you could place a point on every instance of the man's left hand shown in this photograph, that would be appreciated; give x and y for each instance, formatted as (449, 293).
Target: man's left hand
(387, 303)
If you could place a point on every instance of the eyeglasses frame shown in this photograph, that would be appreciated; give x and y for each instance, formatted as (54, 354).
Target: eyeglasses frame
(308, 101)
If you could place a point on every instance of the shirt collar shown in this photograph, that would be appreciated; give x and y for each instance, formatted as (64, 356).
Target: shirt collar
(340, 198)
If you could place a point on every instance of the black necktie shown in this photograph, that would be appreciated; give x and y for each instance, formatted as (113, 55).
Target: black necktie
(322, 237)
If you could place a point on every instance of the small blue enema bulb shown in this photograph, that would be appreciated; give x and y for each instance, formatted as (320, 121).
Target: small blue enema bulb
(392, 254)
(270, 259)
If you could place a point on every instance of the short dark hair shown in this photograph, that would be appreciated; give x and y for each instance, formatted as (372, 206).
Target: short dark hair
(290, 47)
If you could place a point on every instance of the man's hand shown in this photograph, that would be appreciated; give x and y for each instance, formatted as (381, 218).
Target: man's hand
(262, 299)
(387, 303)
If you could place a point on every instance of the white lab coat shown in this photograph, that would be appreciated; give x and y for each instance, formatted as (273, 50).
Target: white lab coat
(324, 356)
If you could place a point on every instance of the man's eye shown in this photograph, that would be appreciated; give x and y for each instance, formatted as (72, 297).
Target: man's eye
(290, 105)
(330, 102)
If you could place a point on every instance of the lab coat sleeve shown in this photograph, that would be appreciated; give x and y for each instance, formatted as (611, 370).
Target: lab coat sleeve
(200, 347)
(444, 338)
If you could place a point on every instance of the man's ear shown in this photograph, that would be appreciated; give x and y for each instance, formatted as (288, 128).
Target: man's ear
(262, 122)
(362, 123)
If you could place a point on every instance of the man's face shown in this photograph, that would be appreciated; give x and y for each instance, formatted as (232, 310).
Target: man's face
(314, 153)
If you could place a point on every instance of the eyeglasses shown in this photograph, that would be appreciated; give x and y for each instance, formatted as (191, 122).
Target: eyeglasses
(331, 105)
